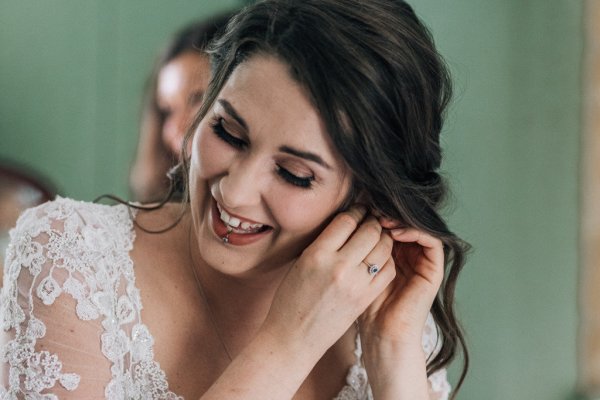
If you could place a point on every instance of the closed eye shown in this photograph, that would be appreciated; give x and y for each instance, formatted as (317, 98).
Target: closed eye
(303, 182)
(227, 137)
(221, 132)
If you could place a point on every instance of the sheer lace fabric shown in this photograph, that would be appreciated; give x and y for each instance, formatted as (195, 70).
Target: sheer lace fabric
(71, 313)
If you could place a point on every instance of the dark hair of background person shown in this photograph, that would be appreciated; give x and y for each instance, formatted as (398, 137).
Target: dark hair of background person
(374, 74)
(193, 37)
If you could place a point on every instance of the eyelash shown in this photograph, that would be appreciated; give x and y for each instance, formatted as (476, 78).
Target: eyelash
(221, 132)
(295, 180)
(225, 136)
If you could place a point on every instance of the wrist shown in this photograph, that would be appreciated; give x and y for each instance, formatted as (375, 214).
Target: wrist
(268, 368)
(396, 370)
(292, 343)
(289, 345)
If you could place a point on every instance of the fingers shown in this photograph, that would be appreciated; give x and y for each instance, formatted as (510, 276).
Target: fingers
(364, 240)
(335, 235)
(385, 221)
(387, 274)
(380, 254)
(389, 223)
(408, 235)
(432, 251)
(380, 285)
(355, 237)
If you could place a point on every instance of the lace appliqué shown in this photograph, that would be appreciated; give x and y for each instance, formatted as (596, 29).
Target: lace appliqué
(81, 250)
(357, 384)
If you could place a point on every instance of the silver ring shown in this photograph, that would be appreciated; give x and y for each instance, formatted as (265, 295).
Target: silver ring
(372, 269)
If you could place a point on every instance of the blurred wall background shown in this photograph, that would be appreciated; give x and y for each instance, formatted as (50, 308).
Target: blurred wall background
(71, 78)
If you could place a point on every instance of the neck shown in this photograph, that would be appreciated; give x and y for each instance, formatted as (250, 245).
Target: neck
(252, 295)
(238, 304)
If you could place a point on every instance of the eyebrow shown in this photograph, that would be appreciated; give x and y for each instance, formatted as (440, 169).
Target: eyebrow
(305, 154)
(284, 149)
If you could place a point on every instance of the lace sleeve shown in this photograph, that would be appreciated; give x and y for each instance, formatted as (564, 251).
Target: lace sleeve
(50, 337)
(439, 388)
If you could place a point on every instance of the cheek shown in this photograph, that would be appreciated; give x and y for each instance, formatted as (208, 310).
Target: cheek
(209, 154)
(305, 215)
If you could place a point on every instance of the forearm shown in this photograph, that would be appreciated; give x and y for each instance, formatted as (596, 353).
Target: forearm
(396, 371)
(267, 368)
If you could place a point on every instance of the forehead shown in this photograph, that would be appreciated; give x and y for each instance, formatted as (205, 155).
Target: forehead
(263, 93)
(188, 71)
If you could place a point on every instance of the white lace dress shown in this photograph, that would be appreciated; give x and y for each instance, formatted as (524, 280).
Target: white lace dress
(71, 312)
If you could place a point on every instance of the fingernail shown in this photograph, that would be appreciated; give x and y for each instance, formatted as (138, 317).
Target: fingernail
(398, 231)
(386, 220)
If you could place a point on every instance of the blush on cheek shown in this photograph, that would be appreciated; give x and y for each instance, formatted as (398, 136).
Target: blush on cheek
(304, 219)
(208, 152)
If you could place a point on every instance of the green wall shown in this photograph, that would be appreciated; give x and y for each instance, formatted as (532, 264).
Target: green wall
(71, 75)
(512, 147)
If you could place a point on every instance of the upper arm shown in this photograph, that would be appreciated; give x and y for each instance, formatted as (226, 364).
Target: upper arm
(48, 345)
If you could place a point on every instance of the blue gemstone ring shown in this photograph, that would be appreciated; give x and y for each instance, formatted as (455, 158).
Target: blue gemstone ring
(372, 269)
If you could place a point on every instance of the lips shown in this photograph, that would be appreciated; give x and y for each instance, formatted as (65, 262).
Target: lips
(239, 231)
(238, 225)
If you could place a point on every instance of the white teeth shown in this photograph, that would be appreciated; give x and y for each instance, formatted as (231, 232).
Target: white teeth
(225, 217)
(234, 222)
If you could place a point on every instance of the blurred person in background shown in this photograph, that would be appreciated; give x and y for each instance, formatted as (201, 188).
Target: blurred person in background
(172, 98)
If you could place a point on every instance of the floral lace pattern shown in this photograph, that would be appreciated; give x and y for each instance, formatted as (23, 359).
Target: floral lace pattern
(68, 249)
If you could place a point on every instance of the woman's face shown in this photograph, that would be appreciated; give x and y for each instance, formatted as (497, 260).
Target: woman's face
(262, 162)
(180, 88)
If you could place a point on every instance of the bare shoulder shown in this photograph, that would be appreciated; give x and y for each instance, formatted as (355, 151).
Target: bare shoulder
(161, 218)
(160, 246)
(164, 227)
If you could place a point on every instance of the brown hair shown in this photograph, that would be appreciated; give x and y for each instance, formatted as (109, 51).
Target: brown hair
(377, 80)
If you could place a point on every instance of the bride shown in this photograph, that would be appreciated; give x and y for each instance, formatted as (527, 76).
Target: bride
(308, 259)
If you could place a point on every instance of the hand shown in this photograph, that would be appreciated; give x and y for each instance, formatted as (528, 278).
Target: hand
(399, 313)
(392, 327)
(328, 287)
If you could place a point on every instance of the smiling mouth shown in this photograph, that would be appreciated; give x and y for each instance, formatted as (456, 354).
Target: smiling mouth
(240, 226)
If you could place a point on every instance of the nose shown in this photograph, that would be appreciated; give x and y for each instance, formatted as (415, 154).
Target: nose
(243, 184)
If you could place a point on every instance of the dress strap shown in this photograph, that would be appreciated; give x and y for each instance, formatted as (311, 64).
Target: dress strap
(357, 345)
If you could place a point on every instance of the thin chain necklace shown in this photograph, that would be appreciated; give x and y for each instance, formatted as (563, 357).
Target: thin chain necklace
(200, 288)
